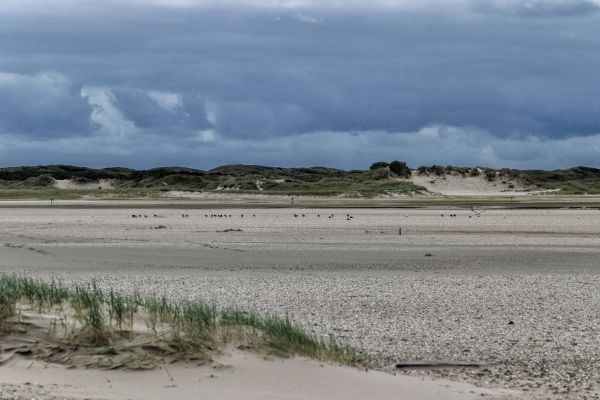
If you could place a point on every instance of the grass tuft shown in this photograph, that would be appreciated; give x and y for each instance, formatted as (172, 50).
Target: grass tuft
(188, 326)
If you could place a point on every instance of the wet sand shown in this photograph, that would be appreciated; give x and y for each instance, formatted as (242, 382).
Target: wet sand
(517, 288)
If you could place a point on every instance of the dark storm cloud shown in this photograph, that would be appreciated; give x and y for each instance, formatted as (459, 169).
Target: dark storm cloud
(188, 76)
(45, 105)
(161, 111)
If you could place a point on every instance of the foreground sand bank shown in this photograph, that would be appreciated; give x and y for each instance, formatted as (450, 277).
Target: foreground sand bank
(235, 375)
(46, 353)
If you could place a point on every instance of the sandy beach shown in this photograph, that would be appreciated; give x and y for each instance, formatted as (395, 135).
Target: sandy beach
(515, 290)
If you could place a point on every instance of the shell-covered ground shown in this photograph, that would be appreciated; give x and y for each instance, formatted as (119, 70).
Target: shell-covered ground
(518, 289)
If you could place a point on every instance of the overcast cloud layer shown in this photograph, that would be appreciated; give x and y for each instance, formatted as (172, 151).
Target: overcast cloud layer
(300, 82)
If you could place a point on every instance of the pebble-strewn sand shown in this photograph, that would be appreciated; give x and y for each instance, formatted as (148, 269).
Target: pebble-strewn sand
(516, 287)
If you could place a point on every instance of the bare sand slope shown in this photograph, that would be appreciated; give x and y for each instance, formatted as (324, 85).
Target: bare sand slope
(71, 184)
(458, 185)
(237, 375)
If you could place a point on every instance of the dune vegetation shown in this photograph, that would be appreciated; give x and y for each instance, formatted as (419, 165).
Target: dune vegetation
(382, 178)
(40, 182)
(130, 330)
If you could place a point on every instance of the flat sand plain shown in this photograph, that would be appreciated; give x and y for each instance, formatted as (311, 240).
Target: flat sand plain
(518, 289)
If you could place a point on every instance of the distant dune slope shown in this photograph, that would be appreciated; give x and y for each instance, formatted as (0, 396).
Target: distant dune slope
(458, 185)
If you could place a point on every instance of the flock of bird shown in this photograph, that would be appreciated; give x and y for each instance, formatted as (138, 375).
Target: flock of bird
(477, 213)
(153, 216)
(329, 216)
(224, 216)
(348, 216)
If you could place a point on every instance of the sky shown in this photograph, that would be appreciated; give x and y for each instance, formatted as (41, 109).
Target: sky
(337, 83)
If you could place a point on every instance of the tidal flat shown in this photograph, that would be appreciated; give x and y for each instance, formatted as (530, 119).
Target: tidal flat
(516, 291)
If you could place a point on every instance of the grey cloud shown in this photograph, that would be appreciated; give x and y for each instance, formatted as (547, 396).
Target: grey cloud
(44, 105)
(139, 107)
(262, 77)
(256, 120)
(539, 8)
(437, 144)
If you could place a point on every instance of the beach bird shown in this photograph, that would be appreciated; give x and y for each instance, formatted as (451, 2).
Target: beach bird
(477, 213)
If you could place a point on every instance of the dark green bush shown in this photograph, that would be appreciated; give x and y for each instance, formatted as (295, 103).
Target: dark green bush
(379, 164)
(438, 170)
(400, 168)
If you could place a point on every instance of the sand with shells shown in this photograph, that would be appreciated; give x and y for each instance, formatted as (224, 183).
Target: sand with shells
(517, 289)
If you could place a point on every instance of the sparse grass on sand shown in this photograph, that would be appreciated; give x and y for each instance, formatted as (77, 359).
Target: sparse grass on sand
(94, 317)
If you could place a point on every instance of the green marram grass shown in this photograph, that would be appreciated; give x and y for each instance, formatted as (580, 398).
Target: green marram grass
(189, 326)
